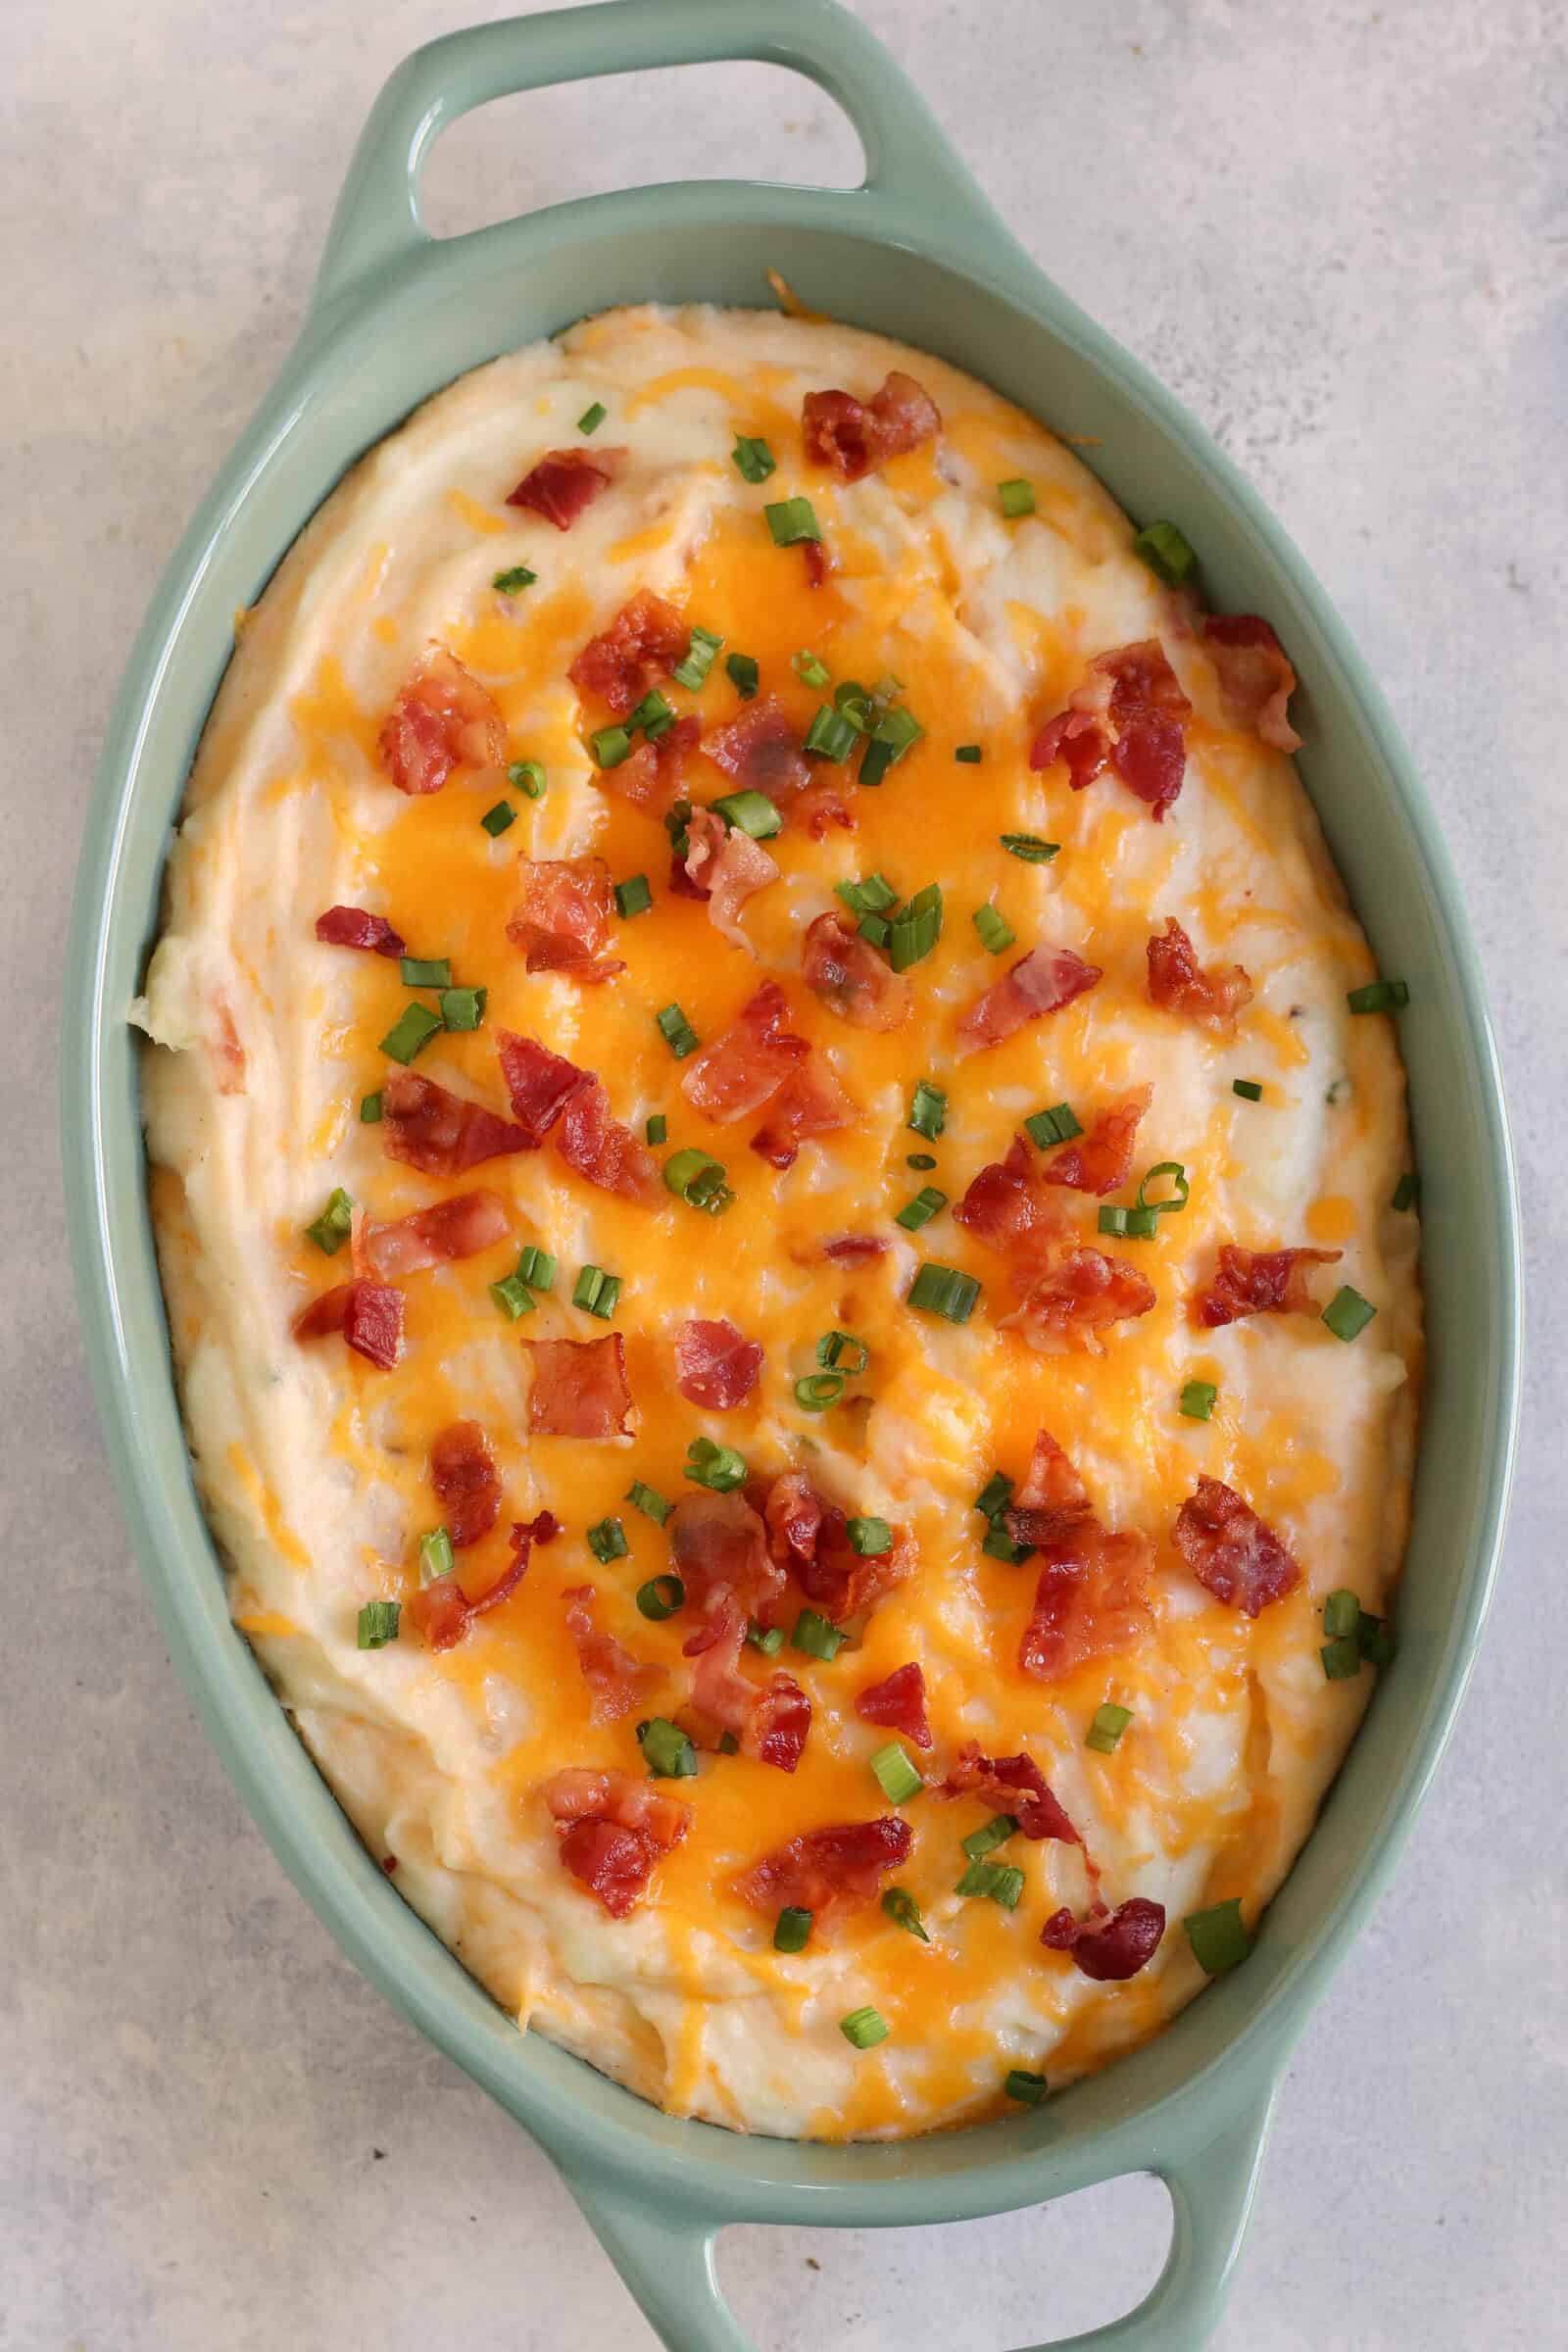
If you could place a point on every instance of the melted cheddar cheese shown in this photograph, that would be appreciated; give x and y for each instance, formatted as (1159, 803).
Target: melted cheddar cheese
(313, 1463)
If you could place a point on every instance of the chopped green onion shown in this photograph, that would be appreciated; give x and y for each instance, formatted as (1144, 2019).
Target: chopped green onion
(1341, 1612)
(1178, 1201)
(649, 1502)
(633, 897)
(1217, 1936)
(1028, 2090)
(893, 735)
(768, 1639)
(331, 1229)
(968, 755)
(607, 1541)
(1379, 996)
(661, 1597)
(1376, 1639)
(842, 1351)
(792, 1931)
(830, 735)
(944, 1290)
(916, 929)
(1406, 1192)
(509, 582)
(870, 1538)
(1000, 1543)
(1104, 1733)
(537, 1267)
(728, 1745)
(900, 1905)
(1198, 1398)
(817, 1391)
(876, 928)
(920, 1159)
(1167, 551)
(411, 1033)
(753, 459)
(751, 812)
(855, 704)
(435, 1556)
(1347, 1314)
(1248, 1087)
(791, 520)
(1000, 1881)
(1113, 1219)
(693, 1174)
(653, 714)
(657, 1128)
(1029, 847)
(596, 1293)
(864, 2028)
(743, 674)
(424, 971)
(497, 818)
(994, 931)
(527, 776)
(1015, 498)
(379, 1624)
(928, 1110)
(994, 1495)
(370, 1109)
(921, 1210)
(991, 1834)
(667, 1752)
(717, 1467)
(592, 417)
(807, 666)
(677, 1031)
(815, 1636)
(462, 1008)
(872, 896)
(610, 746)
(692, 672)
(512, 1296)
(1057, 1125)
(1342, 1658)
(895, 1775)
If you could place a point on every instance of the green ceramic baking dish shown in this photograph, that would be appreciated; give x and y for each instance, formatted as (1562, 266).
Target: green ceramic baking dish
(915, 253)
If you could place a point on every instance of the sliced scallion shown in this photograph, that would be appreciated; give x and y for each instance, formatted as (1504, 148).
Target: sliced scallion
(996, 933)
(692, 672)
(667, 1750)
(751, 812)
(655, 1127)
(424, 971)
(717, 1467)
(1028, 2090)
(996, 1881)
(990, 1834)
(1030, 848)
(411, 1033)
(1406, 1192)
(917, 928)
(1347, 1314)
(968, 755)
(497, 818)
(1104, 1733)
(791, 520)
(842, 1351)
(815, 1636)
(944, 1290)
(895, 1775)
(1167, 552)
(610, 746)
(1217, 1936)
(512, 1296)
(928, 1110)
(1015, 498)
(661, 1597)
(649, 1502)
(792, 1929)
(331, 1229)
(817, 1391)
(872, 1537)
(592, 417)
(435, 1556)
(743, 674)
(807, 666)
(370, 1109)
(900, 1905)
(753, 459)
(607, 1541)
(461, 1007)
(1197, 1400)
(863, 2028)
(921, 1210)
(509, 582)
(676, 1031)
(1057, 1125)
(596, 1293)
(537, 1267)
(527, 776)
(1379, 996)
(1248, 1087)
(768, 1639)
(830, 735)
(377, 1624)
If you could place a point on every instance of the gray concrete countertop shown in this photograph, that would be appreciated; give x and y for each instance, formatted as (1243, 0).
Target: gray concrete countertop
(1339, 233)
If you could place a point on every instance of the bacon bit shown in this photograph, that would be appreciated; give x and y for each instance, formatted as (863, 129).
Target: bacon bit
(1259, 1282)
(462, 1472)
(565, 916)
(579, 1388)
(618, 1680)
(761, 751)
(770, 1723)
(431, 1236)
(853, 437)
(440, 1133)
(1256, 678)
(540, 1083)
(1110, 1946)
(369, 1315)
(823, 804)
(353, 927)
(817, 565)
(1092, 1600)
(1101, 1159)
(614, 1831)
(1233, 1553)
(1043, 981)
(642, 645)
(828, 1871)
(746, 1063)
(899, 1702)
(1078, 1298)
(851, 979)
(811, 1536)
(441, 1613)
(718, 1540)
(726, 868)
(849, 1249)
(1178, 983)
(1051, 1501)
(442, 719)
(1129, 714)
(1010, 1205)
(654, 777)
(227, 1053)
(715, 1366)
(780, 1724)
(564, 481)
(1012, 1785)
(602, 1150)
(811, 1101)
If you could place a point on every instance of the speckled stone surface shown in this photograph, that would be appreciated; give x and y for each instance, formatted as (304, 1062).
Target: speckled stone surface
(1339, 233)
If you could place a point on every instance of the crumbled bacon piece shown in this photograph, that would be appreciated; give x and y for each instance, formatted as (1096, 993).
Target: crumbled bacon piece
(432, 1237)
(852, 437)
(851, 979)
(1101, 1160)
(617, 1680)
(815, 556)
(1110, 1946)
(746, 1063)
(579, 1388)
(565, 916)
(642, 645)
(780, 1724)
(1077, 1297)
(1177, 983)
(718, 1540)
(1043, 981)
(1008, 1205)
(823, 804)
(811, 1101)
(828, 1871)
(811, 1536)
(429, 1128)
(1259, 1282)
(760, 751)
(353, 927)
(442, 719)
(850, 1249)
(441, 1612)
(1092, 1600)
(1129, 714)
(726, 868)
(1014, 1784)
(717, 1366)
(1051, 1500)
(654, 777)
(540, 1083)
(602, 1150)
(770, 1723)
(899, 1702)
(1233, 1553)
(369, 1315)
(614, 1831)
(564, 481)
(1256, 678)
(462, 1472)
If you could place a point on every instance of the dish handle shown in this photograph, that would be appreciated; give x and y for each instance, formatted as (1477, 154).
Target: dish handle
(911, 172)
(664, 2250)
